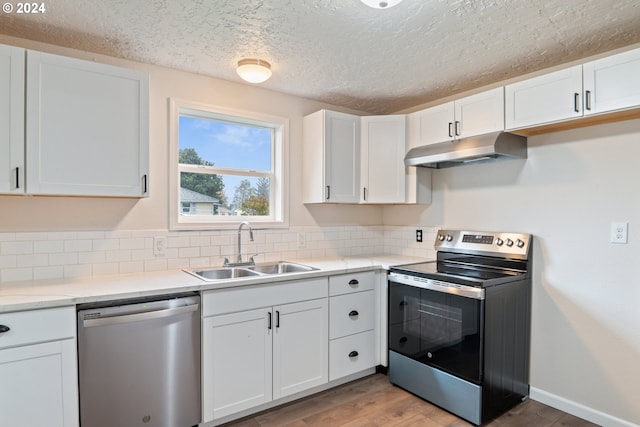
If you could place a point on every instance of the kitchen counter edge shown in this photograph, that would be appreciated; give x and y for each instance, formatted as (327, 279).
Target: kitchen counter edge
(36, 294)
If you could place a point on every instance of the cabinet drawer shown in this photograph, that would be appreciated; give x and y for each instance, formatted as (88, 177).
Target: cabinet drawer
(347, 283)
(34, 326)
(351, 354)
(351, 313)
(265, 295)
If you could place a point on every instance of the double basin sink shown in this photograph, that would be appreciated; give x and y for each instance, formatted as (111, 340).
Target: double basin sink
(222, 273)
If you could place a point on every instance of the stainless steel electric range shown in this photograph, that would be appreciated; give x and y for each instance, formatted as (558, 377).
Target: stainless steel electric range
(459, 327)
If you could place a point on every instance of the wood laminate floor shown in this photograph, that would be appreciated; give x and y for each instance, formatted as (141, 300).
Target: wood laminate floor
(373, 401)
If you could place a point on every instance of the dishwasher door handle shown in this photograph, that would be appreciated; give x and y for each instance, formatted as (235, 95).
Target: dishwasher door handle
(127, 318)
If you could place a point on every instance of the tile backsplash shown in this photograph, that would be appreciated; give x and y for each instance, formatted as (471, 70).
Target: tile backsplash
(26, 256)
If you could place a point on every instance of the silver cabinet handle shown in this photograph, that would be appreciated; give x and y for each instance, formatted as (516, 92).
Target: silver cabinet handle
(328, 192)
(364, 193)
(457, 127)
(450, 130)
(587, 100)
(576, 100)
(137, 317)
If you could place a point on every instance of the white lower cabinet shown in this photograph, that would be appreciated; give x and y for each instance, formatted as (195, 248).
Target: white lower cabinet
(352, 317)
(38, 369)
(258, 345)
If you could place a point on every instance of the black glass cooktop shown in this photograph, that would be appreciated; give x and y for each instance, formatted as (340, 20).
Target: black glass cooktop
(474, 275)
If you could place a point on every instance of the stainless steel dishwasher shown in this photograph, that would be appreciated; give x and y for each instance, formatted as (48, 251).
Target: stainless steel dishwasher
(139, 362)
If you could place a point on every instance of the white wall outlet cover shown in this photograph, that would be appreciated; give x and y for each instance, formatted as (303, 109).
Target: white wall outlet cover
(619, 232)
(159, 245)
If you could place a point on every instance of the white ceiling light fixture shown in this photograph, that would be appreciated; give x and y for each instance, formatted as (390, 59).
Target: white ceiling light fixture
(254, 70)
(381, 4)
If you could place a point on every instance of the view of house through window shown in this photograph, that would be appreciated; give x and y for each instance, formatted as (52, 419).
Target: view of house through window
(227, 166)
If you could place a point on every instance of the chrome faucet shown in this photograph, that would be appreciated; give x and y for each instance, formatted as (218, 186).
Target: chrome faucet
(242, 224)
(239, 261)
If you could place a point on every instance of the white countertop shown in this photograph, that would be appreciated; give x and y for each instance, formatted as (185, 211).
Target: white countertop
(29, 295)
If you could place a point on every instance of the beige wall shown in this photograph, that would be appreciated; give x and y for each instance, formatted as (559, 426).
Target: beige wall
(586, 291)
(65, 213)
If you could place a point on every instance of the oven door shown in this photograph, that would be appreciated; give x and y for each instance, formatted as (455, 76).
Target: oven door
(437, 328)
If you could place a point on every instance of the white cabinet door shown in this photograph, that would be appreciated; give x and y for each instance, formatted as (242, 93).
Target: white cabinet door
(39, 385)
(300, 348)
(545, 99)
(479, 114)
(612, 83)
(236, 362)
(432, 125)
(342, 151)
(331, 157)
(383, 148)
(87, 128)
(11, 119)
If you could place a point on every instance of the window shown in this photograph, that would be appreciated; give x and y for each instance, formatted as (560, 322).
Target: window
(227, 166)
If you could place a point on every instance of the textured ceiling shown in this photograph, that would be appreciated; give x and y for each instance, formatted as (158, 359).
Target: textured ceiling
(341, 51)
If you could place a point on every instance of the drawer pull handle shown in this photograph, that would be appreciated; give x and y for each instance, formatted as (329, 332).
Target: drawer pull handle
(353, 354)
(353, 282)
(4, 328)
(353, 313)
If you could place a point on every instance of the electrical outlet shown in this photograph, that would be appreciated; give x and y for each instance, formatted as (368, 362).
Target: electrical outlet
(159, 246)
(302, 240)
(419, 236)
(619, 231)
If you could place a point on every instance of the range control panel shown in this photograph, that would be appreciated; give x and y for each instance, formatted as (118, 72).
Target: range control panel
(513, 245)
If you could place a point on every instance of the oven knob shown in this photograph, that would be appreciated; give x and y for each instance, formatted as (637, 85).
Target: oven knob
(499, 241)
(509, 242)
(520, 243)
(449, 237)
(441, 237)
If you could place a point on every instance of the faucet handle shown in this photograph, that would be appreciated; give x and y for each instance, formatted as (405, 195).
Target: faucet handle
(251, 260)
(226, 261)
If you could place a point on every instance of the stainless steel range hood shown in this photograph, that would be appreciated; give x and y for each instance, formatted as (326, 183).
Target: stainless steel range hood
(481, 148)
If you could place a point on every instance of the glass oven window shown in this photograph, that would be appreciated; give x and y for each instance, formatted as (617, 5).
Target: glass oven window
(436, 328)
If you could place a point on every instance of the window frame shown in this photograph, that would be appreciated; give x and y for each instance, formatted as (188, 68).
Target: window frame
(279, 200)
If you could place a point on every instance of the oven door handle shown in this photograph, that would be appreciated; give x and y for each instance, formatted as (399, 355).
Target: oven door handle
(437, 285)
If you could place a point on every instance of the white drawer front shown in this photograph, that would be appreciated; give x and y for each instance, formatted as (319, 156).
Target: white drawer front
(351, 314)
(34, 326)
(351, 354)
(242, 298)
(347, 283)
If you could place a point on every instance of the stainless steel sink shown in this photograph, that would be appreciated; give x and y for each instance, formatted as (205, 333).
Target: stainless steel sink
(281, 267)
(272, 268)
(224, 273)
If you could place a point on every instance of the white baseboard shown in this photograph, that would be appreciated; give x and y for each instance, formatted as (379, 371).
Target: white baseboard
(578, 409)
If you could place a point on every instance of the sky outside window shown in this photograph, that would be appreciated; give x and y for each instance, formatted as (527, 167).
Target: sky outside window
(227, 145)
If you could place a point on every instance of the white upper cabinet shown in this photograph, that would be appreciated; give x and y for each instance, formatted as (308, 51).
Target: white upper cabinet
(383, 148)
(432, 125)
(544, 99)
(11, 119)
(479, 114)
(602, 86)
(87, 128)
(612, 83)
(331, 158)
(473, 115)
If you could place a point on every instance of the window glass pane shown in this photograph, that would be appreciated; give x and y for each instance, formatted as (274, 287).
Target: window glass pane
(225, 195)
(224, 144)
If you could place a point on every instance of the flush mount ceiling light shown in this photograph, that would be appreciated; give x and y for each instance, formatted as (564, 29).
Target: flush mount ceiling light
(381, 4)
(254, 70)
